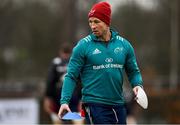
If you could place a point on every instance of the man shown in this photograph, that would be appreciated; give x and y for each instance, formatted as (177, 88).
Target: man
(55, 77)
(100, 60)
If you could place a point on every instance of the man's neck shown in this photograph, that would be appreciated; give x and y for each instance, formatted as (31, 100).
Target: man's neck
(106, 37)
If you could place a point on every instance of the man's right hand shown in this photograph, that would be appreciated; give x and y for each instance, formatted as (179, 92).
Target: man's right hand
(63, 109)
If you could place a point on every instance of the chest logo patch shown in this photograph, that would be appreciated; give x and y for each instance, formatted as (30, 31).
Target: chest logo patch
(96, 51)
(118, 50)
(108, 60)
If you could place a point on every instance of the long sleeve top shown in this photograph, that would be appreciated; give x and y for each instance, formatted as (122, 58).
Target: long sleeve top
(101, 67)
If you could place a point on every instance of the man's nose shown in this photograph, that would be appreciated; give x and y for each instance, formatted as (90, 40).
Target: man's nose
(93, 26)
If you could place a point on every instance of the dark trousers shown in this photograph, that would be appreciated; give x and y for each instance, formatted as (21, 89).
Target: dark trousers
(104, 114)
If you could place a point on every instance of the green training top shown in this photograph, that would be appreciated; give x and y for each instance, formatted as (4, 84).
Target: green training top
(101, 69)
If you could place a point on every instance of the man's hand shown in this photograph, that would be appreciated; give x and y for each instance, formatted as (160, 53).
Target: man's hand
(135, 90)
(63, 109)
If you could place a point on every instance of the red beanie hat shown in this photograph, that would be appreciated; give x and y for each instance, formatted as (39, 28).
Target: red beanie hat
(102, 11)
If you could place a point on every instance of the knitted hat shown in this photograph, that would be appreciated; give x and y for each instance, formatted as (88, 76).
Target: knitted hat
(102, 11)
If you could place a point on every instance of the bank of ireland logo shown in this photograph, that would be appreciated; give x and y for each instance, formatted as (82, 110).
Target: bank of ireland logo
(108, 60)
(118, 49)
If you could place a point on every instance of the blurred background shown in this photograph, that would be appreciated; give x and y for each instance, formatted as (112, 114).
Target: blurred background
(31, 31)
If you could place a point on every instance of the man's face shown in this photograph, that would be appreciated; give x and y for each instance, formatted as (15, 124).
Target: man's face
(98, 27)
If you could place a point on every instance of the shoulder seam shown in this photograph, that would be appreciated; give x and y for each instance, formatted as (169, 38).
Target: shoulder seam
(119, 38)
(87, 38)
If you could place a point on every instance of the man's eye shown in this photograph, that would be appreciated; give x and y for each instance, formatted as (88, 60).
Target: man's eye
(90, 22)
(96, 21)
